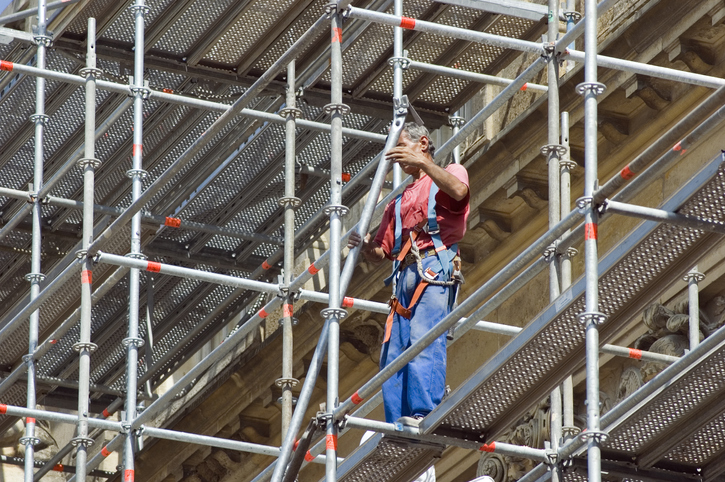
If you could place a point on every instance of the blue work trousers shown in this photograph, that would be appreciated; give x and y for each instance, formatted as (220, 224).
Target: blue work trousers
(419, 386)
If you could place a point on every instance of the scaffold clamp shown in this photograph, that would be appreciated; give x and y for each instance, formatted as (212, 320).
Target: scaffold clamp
(29, 441)
(39, 119)
(89, 162)
(549, 149)
(293, 201)
(403, 61)
(594, 316)
(338, 209)
(332, 109)
(456, 121)
(695, 276)
(552, 456)
(132, 173)
(42, 38)
(91, 72)
(598, 436)
(550, 251)
(290, 111)
(140, 8)
(584, 202)
(140, 256)
(566, 164)
(34, 277)
(572, 15)
(84, 441)
(329, 313)
(80, 346)
(131, 341)
(597, 88)
(281, 382)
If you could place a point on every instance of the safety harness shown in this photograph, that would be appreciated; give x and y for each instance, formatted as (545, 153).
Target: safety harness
(444, 254)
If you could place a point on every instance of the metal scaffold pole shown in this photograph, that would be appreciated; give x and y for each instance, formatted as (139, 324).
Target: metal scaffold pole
(84, 347)
(334, 313)
(553, 151)
(397, 61)
(132, 342)
(42, 40)
(693, 278)
(290, 203)
(591, 317)
(566, 165)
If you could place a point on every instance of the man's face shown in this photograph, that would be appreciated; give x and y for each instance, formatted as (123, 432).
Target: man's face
(416, 147)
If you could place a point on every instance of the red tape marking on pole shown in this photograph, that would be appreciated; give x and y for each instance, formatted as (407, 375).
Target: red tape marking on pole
(634, 353)
(58, 467)
(153, 266)
(138, 148)
(488, 447)
(331, 442)
(105, 452)
(678, 148)
(313, 270)
(5, 65)
(3, 408)
(29, 420)
(524, 87)
(626, 173)
(172, 222)
(106, 413)
(336, 35)
(347, 302)
(590, 231)
(407, 22)
(263, 314)
(346, 176)
(86, 277)
(356, 399)
(287, 310)
(266, 265)
(309, 457)
(294, 447)
(128, 475)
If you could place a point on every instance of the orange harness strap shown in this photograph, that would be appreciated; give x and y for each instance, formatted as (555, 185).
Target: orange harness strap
(397, 307)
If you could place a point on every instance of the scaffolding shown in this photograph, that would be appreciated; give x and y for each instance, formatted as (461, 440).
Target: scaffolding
(271, 219)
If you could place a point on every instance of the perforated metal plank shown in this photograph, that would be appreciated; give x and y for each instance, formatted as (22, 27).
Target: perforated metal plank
(552, 346)
(389, 459)
(683, 423)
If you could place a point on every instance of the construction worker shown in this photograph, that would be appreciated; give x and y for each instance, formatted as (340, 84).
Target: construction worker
(419, 232)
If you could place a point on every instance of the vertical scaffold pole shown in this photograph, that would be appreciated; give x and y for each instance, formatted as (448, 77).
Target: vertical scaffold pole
(42, 40)
(569, 430)
(456, 121)
(334, 313)
(553, 150)
(290, 203)
(84, 347)
(693, 278)
(591, 317)
(133, 342)
(398, 64)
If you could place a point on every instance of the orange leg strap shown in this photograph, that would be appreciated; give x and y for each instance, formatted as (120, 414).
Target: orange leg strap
(397, 307)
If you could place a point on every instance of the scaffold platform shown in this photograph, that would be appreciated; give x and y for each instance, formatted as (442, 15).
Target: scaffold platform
(550, 348)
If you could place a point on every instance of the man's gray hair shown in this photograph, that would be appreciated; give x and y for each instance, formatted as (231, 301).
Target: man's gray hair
(415, 132)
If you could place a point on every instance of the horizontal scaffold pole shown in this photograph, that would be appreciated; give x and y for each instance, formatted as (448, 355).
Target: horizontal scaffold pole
(183, 100)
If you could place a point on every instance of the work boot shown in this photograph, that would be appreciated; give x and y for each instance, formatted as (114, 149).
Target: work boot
(413, 421)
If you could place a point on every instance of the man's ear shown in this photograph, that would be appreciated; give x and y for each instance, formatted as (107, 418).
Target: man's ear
(424, 144)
